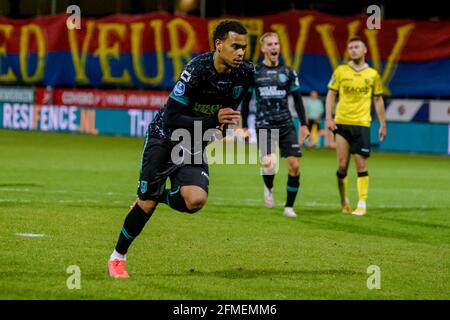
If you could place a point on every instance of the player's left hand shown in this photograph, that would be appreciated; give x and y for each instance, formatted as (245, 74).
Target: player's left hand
(304, 133)
(228, 116)
(382, 133)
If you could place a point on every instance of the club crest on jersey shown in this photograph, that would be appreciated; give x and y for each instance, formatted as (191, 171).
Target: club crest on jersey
(143, 186)
(282, 77)
(179, 89)
(237, 91)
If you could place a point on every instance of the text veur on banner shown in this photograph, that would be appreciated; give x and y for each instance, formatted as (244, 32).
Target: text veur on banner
(150, 50)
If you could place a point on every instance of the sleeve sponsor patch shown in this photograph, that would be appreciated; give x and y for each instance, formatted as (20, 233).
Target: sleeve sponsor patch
(179, 88)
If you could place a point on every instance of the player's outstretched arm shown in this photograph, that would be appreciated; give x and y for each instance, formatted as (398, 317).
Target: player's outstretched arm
(379, 108)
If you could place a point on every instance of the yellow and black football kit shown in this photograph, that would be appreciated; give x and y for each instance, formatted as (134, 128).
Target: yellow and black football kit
(356, 89)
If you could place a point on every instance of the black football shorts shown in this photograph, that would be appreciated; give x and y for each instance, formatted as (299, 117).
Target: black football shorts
(286, 139)
(157, 166)
(358, 138)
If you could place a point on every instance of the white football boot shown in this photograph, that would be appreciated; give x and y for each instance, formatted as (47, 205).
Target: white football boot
(289, 212)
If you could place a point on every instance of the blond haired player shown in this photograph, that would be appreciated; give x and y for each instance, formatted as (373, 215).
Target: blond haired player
(273, 83)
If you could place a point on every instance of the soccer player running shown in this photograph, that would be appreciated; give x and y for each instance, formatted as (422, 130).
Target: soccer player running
(356, 84)
(273, 82)
(208, 92)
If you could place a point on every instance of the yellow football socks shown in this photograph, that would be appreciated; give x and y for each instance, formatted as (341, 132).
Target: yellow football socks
(363, 185)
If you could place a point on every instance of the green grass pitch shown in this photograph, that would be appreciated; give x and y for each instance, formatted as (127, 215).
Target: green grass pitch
(77, 189)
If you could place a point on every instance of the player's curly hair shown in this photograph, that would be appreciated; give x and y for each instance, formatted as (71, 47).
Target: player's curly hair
(225, 26)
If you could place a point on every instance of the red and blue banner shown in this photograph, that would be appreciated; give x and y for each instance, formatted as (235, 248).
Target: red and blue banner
(149, 51)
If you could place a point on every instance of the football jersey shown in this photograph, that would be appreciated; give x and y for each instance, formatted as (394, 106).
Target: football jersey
(356, 89)
(203, 91)
(271, 88)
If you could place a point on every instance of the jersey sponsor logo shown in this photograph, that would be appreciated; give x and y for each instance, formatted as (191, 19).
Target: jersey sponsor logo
(262, 79)
(207, 108)
(356, 90)
(271, 91)
(143, 186)
(179, 88)
(237, 91)
(282, 77)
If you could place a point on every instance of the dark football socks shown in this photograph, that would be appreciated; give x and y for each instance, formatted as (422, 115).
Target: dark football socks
(132, 227)
(268, 181)
(293, 185)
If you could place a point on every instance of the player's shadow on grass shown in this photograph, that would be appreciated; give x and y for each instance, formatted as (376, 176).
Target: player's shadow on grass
(241, 273)
(350, 224)
(389, 210)
(415, 223)
(310, 212)
(374, 212)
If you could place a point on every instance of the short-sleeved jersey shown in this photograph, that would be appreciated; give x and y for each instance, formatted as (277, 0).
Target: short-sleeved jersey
(204, 91)
(356, 89)
(271, 88)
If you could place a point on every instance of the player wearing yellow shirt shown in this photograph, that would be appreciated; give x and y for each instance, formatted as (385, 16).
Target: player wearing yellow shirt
(356, 83)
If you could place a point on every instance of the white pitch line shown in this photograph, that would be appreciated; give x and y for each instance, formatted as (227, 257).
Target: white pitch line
(15, 190)
(31, 235)
(62, 191)
(16, 200)
(216, 200)
(220, 200)
(78, 201)
(62, 201)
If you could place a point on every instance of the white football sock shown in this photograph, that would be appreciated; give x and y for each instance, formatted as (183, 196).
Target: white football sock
(116, 255)
(361, 204)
